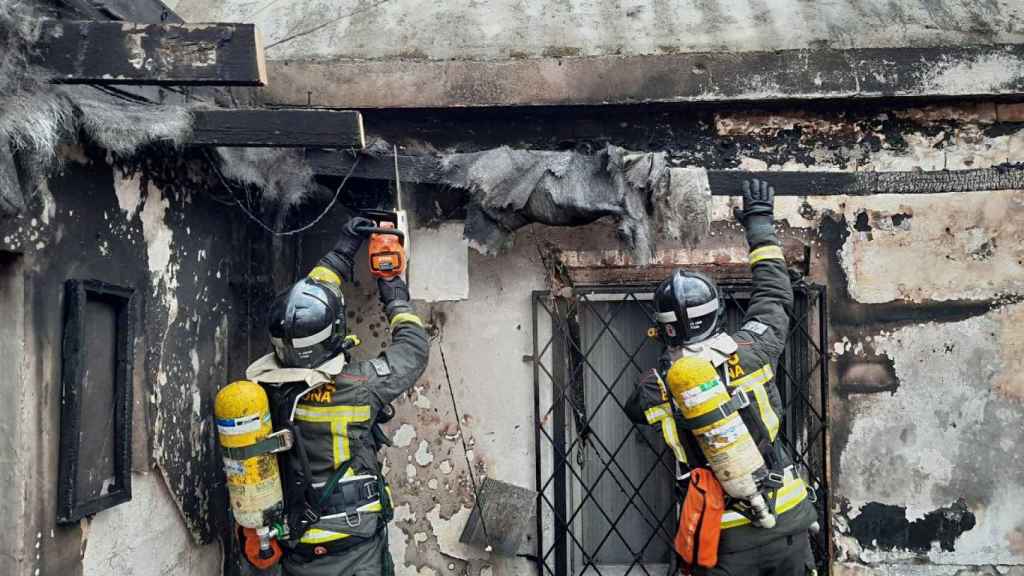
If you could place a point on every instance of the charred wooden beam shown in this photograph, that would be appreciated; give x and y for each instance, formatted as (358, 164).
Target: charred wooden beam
(429, 169)
(12, 202)
(152, 54)
(1005, 177)
(279, 128)
(411, 168)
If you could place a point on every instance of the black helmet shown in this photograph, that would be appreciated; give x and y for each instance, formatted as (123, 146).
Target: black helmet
(307, 324)
(687, 308)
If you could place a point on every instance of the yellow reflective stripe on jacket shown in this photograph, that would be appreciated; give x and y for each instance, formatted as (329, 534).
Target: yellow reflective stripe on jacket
(770, 252)
(339, 417)
(324, 274)
(793, 492)
(754, 384)
(406, 317)
(663, 413)
(319, 536)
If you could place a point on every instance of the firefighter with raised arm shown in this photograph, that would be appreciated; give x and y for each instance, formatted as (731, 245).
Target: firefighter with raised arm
(746, 510)
(317, 500)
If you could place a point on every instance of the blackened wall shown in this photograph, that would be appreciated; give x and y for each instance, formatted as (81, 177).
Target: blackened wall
(152, 228)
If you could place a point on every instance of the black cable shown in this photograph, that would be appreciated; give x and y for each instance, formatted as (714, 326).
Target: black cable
(334, 200)
(465, 448)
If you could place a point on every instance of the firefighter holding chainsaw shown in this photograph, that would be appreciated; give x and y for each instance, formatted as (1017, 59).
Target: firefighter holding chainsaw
(318, 497)
(716, 402)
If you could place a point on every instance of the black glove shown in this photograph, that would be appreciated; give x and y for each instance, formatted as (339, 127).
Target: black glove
(756, 214)
(394, 294)
(342, 256)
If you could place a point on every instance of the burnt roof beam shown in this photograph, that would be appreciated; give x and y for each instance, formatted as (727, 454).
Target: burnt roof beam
(88, 52)
(290, 128)
(430, 170)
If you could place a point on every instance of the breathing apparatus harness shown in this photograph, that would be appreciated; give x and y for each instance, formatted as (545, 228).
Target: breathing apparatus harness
(718, 350)
(305, 503)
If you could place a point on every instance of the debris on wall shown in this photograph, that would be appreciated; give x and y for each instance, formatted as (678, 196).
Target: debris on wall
(512, 188)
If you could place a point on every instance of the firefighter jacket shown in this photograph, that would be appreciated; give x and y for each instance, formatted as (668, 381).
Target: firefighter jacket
(746, 360)
(336, 412)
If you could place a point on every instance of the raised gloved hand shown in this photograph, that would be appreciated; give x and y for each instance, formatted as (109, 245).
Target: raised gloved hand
(756, 214)
(393, 290)
(342, 256)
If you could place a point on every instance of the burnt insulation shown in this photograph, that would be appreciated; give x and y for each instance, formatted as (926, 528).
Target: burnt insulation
(36, 116)
(512, 188)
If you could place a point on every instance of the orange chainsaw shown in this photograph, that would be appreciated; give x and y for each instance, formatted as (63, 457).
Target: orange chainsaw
(386, 248)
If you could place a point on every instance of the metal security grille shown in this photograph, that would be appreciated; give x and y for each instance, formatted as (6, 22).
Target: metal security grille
(608, 496)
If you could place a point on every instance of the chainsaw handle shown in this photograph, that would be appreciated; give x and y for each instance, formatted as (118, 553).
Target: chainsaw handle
(368, 230)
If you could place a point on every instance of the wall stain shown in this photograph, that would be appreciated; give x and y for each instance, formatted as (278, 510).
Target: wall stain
(886, 527)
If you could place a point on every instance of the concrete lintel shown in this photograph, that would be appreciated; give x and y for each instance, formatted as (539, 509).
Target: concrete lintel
(984, 70)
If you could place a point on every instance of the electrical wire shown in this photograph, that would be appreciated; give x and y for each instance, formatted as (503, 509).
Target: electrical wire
(325, 24)
(254, 218)
(465, 448)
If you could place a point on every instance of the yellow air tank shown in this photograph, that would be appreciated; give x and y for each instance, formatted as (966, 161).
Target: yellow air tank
(725, 441)
(254, 482)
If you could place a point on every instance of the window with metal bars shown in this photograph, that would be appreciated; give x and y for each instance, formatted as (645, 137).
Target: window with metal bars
(608, 496)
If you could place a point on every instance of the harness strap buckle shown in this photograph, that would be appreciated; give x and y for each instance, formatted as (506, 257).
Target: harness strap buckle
(284, 440)
(346, 517)
(372, 490)
(775, 480)
(741, 396)
(309, 516)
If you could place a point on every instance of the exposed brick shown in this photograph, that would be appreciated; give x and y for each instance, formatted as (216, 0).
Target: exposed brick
(1010, 112)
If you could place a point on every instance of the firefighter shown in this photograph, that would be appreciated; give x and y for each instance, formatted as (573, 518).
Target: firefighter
(690, 314)
(337, 503)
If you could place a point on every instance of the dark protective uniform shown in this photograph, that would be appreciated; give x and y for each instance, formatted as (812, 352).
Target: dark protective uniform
(747, 360)
(338, 424)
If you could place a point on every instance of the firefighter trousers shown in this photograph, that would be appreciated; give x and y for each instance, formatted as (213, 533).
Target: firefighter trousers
(370, 558)
(786, 556)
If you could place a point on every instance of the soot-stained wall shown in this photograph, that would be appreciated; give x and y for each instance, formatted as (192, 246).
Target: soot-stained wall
(156, 231)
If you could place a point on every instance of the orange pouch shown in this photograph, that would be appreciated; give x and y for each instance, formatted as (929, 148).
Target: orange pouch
(251, 547)
(700, 522)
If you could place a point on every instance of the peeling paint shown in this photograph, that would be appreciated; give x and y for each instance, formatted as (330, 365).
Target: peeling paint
(423, 455)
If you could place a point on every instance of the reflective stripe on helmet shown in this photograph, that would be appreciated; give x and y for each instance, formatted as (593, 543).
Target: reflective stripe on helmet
(666, 317)
(307, 341)
(702, 309)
